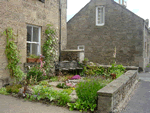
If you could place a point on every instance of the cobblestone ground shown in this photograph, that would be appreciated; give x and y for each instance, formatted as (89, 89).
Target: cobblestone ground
(9, 104)
(140, 101)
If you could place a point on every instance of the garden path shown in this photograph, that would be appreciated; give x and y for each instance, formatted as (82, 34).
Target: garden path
(9, 104)
(140, 101)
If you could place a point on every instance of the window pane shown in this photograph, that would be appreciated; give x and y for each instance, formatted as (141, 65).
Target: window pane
(29, 33)
(28, 49)
(35, 49)
(35, 34)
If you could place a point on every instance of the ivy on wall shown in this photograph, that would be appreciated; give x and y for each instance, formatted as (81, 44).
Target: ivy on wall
(13, 55)
(50, 49)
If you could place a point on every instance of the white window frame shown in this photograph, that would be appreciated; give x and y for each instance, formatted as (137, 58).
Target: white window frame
(39, 39)
(100, 24)
(82, 46)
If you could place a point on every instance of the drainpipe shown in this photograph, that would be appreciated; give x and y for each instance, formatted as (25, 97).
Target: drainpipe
(144, 49)
(60, 31)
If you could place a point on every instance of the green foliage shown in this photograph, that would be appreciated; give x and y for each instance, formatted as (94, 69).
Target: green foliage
(54, 79)
(50, 48)
(93, 70)
(81, 105)
(36, 74)
(116, 69)
(44, 92)
(68, 91)
(13, 56)
(44, 83)
(96, 71)
(3, 91)
(62, 85)
(33, 56)
(13, 89)
(87, 94)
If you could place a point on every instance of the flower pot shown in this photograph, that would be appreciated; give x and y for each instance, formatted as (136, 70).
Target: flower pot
(31, 60)
(38, 60)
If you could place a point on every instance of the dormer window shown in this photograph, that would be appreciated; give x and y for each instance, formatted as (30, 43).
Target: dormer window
(100, 15)
(43, 1)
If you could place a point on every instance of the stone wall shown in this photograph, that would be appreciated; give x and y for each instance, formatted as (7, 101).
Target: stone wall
(18, 13)
(123, 30)
(113, 97)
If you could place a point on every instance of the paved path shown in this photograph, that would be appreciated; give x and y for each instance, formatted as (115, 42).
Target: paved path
(140, 101)
(9, 104)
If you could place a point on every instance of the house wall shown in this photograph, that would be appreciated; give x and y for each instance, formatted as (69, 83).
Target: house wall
(146, 46)
(123, 30)
(17, 14)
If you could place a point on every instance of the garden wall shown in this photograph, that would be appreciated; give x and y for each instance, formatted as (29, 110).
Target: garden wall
(112, 98)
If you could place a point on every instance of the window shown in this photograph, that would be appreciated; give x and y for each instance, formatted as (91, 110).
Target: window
(33, 40)
(100, 16)
(81, 47)
(43, 1)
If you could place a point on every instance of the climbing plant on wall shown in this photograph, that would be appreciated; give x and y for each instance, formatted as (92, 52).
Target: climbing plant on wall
(50, 49)
(13, 55)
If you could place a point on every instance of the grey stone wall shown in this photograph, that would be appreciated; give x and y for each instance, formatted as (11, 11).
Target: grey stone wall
(113, 97)
(18, 13)
(123, 30)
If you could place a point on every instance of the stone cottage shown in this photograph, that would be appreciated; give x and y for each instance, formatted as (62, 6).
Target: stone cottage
(103, 28)
(30, 17)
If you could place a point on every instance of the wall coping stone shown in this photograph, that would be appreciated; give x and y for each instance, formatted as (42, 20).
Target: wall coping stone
(72, 50)
(127, 67)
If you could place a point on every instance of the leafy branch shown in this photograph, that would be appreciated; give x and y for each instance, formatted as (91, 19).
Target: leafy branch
(13, 55)
(50, 48)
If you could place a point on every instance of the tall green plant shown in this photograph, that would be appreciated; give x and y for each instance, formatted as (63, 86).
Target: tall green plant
(50, 48)
(13, 55)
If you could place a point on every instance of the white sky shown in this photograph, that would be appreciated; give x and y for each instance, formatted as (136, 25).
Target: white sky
(139, 7)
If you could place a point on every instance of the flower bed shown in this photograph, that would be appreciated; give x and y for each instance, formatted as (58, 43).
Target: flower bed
(84, 91)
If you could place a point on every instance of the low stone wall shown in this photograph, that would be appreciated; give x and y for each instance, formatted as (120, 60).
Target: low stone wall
(112, 98)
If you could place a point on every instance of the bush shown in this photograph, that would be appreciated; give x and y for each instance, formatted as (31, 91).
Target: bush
(13, 89)
(87, 95)
(88, 90)
(3, 91)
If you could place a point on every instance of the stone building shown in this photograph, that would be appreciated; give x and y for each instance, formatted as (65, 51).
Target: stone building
(30, 16)
(103, 28)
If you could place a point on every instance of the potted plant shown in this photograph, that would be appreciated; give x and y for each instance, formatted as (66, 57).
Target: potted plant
(32, 58)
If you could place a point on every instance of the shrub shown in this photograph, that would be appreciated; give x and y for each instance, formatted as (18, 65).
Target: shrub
(88, 90)
(13, 89)
(36, 73)
(3, 91)
(87, 95)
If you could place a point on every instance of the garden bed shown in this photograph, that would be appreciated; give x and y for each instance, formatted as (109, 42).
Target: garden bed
(80, 94)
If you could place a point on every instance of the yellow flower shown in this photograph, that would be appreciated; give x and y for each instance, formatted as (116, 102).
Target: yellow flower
(73, 88)
(45, 86)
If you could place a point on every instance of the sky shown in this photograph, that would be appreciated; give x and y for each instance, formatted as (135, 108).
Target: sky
(139, 7)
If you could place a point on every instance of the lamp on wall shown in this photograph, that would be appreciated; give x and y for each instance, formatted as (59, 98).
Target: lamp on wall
(42, 1)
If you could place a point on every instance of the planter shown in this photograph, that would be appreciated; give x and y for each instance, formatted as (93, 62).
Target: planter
(38, 60)
(30, 60)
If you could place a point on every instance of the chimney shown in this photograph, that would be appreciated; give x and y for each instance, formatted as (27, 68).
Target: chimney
(122, 2)
(119, 1)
